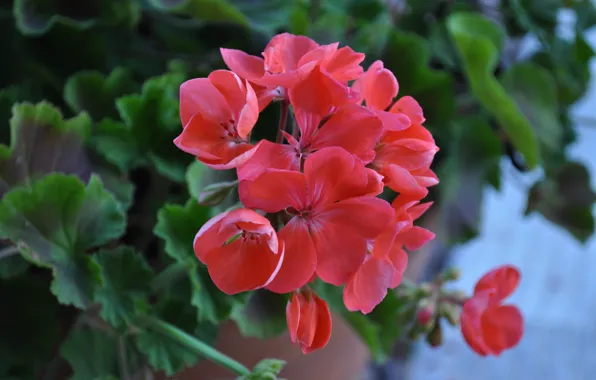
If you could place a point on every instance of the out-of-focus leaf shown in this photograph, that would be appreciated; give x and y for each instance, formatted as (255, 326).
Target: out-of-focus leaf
(534, 16)
(479, 41)
(96, 93)
(56, 220)
(266, 369)
(378, 329)
(262, 316)
(43, 142)
(371, 37)
(566, 199)
(126, 280)
(476, 150)
(29, 325)
(199, 177)
(535, 93)
(36, 17)
(204, 10)
(150, 124)
(165, 353)
(585, 11)
(91, 354)
(177, 225)
(568, 62)
(408, 55)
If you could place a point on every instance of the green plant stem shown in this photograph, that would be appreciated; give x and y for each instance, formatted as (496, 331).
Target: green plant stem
(194, 344)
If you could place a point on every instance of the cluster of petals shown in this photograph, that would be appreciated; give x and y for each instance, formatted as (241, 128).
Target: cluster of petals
(311, 206)
(488, 326)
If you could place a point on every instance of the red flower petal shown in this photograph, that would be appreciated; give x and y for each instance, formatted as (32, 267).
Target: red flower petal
(502, 327)
(274, 190)
(333, 174)
(309, 321)
(344, 65)
(269, 156)
(379, 86)
(402, 181)
(200, 96)
(399, 258)
(353, 128)
(368, 286)
(340, 251)
(414, 238)
(244, 65)
(243, 265)
(470, 323)
(503, 280)
(409, 107)
(300, 257)
(367, 217)
(231, 87)
(248, 262)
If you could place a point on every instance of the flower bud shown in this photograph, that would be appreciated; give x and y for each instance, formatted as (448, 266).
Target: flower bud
(216, 193)
(425, 314)
(435, 336)
(451, 312)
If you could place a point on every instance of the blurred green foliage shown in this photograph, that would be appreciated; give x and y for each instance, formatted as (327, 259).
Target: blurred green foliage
(99, 208)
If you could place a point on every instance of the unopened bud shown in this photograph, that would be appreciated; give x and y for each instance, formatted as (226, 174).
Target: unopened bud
(216, 193)
(450, 312)
(451, 274)
(425, 313)
(435, 337)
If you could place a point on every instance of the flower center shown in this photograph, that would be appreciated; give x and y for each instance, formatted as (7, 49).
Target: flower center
(230, 132)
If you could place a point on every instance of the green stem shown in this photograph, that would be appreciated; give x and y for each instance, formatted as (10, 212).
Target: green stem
(194, 344)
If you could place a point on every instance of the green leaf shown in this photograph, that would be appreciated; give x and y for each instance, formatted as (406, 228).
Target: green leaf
(29, 325)
(13, 264)
(57, 219)
(42, 142)
(151, 123)
(378, 329)
(407, 56)
(568, 61)
(116, 183)
(585, 11)
(372, 37)
(96, 93)
(385, 315)
(479, 41)
(264, 16)
(126, 282)
(91, 354)
(262, 316)
(535, 92)
(177, 225)
(266, 369)
(476, 151)
(36, 17)
(204, 10)
(114, 137)
(566, 199)
(165, 353)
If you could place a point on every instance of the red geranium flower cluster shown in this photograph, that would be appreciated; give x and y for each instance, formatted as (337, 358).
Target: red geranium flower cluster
(311, 206)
